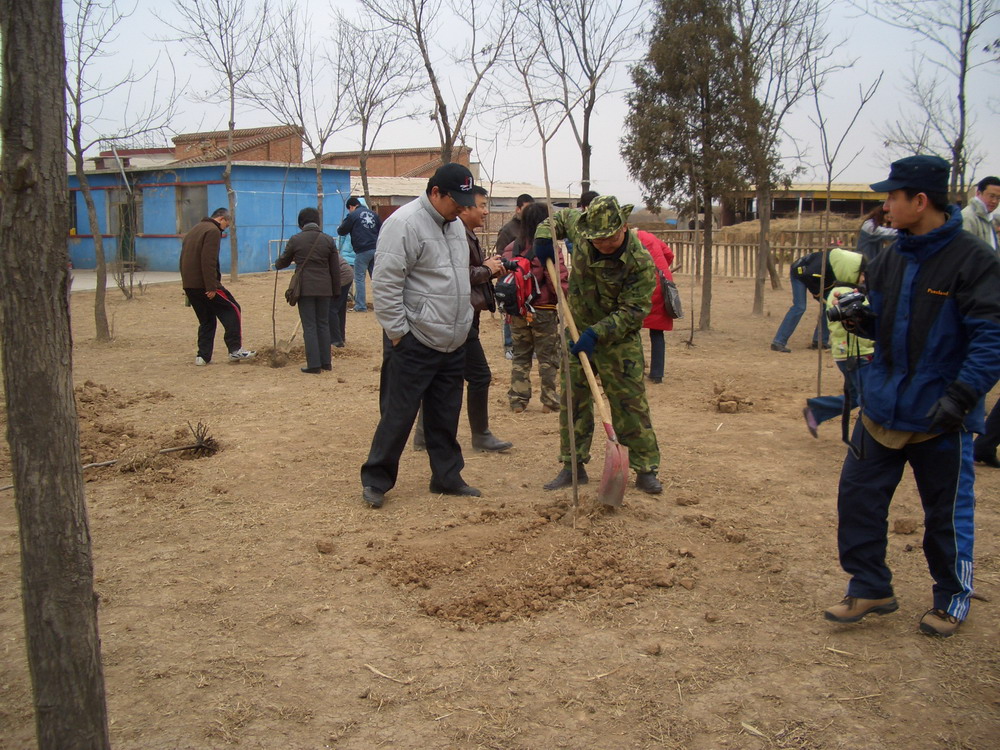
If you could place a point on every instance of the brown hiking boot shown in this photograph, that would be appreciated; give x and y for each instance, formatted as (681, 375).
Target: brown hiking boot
(940, 623)
(852, 609)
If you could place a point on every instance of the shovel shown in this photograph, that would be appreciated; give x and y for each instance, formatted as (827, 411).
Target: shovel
(615, 476)
(284, 345)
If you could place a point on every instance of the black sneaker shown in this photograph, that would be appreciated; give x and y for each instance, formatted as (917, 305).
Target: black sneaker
(780, 348)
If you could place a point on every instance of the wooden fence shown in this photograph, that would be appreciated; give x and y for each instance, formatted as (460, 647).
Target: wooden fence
(735, 255)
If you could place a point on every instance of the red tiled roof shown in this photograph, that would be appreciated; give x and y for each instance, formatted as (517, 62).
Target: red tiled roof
(260, 137)
(275, 131)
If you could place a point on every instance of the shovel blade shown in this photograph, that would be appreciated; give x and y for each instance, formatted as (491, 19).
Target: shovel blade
(615, 476)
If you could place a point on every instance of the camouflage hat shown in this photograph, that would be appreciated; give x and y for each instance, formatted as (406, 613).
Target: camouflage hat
(603, 217)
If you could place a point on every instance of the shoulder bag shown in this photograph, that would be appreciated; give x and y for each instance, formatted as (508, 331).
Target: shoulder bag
(671, 296)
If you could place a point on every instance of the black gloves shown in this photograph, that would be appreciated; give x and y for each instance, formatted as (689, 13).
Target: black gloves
(949, 411)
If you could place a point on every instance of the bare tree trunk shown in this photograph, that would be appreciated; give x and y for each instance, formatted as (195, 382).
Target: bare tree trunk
(364, 179)
(60, 610)
(586, 150)
(227, 178)
(319, 188)
(705, 319)
(101, 266)
(100, 262)
(763, 249)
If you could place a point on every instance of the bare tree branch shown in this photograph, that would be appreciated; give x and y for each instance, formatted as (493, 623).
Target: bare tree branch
(300, 83)
(228, 36)
(950, 33)
(488, 26)
(91, 31)
(382, 73)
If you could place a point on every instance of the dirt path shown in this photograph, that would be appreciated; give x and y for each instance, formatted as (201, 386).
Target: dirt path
(250, 599)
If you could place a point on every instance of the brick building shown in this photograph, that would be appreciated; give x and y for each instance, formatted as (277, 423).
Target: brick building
(401, 162)
(280, 143)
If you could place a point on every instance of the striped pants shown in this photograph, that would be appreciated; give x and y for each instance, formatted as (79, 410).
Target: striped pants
(943, 470)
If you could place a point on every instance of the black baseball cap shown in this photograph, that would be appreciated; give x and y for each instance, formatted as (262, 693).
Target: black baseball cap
(928, 174)
(457, 181)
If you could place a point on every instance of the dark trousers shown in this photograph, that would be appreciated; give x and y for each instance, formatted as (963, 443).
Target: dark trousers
(942, 468)
(338, 316)
(411, 373)
(986, 444)
(314, 312)
(657, 353)
(477, 369)
(222, 307)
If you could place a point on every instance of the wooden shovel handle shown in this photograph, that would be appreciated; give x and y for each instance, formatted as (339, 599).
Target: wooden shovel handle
(584, 359)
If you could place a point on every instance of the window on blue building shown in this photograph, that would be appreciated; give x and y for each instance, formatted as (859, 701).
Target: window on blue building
(192, 206)
(124, 211)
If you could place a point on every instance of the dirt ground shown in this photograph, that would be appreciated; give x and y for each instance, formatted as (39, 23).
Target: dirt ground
(250, 599)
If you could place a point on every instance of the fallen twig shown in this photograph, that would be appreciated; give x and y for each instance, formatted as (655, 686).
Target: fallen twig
(602, 675)
(859, 697)
(754, 731)
(407, 681)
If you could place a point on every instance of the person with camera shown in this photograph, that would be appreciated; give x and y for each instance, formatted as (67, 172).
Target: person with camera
(935, 320)
(850, 353)
(808, 275)
(534, 334)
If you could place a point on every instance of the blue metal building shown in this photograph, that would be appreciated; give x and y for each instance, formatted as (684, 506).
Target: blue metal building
(143, 212)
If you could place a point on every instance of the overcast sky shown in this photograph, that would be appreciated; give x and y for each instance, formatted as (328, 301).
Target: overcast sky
(876, 47)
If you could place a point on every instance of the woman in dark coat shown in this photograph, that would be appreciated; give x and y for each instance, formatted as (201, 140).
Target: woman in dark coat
(318, 263)
(657, 321)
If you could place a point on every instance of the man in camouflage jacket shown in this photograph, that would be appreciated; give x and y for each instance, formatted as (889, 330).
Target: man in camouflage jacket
(610, 288)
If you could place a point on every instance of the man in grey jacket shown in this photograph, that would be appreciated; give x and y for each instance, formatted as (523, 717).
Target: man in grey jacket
(976, 216)
(422, 301)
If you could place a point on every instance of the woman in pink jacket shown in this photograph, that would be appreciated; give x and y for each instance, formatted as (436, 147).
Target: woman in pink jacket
(657, 321)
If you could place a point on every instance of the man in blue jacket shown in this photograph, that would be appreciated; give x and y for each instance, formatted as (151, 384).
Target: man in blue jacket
(935, 299)
(363, 225)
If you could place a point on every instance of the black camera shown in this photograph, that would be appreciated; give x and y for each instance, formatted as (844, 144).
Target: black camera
(850, 306)
(509, 264)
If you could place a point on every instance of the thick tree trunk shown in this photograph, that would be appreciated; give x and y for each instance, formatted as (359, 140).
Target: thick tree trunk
(60, 610)
(705, 319)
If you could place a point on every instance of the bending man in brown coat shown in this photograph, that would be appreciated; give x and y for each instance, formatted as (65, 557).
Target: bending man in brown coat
(202, 281)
